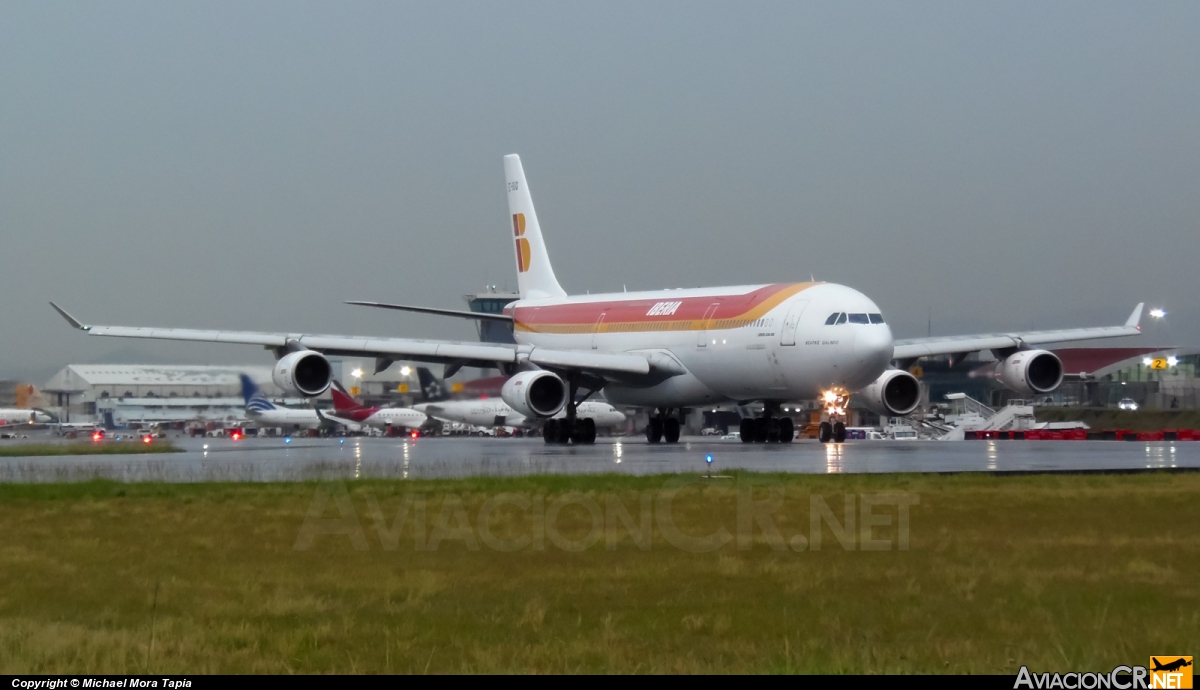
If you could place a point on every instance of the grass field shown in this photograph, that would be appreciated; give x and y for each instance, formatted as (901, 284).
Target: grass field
(132, 447)
(1057, 572)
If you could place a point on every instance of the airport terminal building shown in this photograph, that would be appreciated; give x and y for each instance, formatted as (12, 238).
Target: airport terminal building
(159, 393)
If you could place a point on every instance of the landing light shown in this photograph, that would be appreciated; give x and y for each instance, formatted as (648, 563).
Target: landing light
(1157, 313)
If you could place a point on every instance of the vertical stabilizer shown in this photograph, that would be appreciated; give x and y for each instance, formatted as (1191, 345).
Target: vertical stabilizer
(535, 277)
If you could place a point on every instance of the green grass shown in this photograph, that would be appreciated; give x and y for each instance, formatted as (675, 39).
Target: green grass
(131, 447)
(1106, 419)
(1057, 572)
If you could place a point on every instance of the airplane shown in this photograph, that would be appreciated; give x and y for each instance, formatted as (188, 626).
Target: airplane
(347, 408)
(264, 413)
(667, 350)
(496, 412)
(15, 417)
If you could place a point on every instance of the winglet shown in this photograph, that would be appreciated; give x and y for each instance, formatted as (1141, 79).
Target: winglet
(1133, 321)
(70, 319)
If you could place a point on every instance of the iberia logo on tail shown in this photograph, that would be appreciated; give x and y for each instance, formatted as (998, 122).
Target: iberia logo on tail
(522, 243)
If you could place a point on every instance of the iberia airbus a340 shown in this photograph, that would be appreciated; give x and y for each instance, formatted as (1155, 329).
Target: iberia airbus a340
(668, 350)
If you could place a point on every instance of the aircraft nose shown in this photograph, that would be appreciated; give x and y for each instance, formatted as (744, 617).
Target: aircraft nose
(873, 344)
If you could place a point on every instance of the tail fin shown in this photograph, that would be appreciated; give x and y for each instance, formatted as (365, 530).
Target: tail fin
(433, 389)
(254, 399)
(342, 402)
(535, 277)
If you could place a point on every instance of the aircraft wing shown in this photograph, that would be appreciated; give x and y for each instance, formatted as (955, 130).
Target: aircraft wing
(437, 351)
(961, 344)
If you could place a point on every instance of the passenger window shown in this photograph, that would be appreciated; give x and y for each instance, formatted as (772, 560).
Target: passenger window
(841, 319)
(859, 318)
(876, 318)
(831, 319)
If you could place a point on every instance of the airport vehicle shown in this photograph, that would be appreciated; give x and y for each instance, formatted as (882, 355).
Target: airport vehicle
(668, 350)
(347, 408)
(14, 416)
(497, 413)
(1128, 404)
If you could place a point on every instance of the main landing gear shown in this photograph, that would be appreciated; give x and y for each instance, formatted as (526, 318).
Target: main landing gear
(579, 431)
(663, 427)
(767, 429)
(570, 429)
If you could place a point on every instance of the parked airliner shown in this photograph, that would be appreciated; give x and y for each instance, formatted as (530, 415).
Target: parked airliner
(496, 412)
(347, 408)
(265, 413)
(669, 350)
(15, 416)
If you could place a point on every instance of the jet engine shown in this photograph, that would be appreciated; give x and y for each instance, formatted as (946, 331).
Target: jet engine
(535, 394)
(894, 394)
(1029, 372)
(306, 373)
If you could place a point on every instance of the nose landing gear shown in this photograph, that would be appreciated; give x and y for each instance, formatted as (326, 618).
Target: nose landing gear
(833, 430)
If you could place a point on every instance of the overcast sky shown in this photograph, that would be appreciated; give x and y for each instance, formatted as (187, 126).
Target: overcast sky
(251, 165)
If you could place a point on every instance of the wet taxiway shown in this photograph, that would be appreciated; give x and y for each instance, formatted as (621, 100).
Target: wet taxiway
(273, 459)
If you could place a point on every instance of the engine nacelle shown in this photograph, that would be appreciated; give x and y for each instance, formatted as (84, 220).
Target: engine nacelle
(306, 373)
(535, 394)
(894, 394)
(1030, 372)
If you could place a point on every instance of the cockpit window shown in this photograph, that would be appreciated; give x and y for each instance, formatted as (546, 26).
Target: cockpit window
(831, 319)
(859, 318)
(841, 319)
(876, 318)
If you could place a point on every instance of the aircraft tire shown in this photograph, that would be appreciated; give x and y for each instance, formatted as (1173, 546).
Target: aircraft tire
(550, 431)
(671, 430)
(589, 430)
(747, 430)
(654, 430)
(762, 430)
(825, 432)
(787, 430)
(566, 430)
(773, 431)
(839, 432)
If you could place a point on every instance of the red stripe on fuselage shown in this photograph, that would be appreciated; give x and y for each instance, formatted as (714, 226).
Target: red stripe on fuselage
(636, 310)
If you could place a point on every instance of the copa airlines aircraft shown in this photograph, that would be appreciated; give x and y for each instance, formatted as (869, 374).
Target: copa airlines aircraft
(669, 350)
(265, 413)
(496, 412)
(346, 408)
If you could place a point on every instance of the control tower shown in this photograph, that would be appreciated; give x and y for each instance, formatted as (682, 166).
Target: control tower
(492, 302)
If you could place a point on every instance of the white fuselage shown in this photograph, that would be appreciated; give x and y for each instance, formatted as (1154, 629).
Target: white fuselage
(758, 342)
(391, 417)
(285, 419)
(18, 416)
(496, 412)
